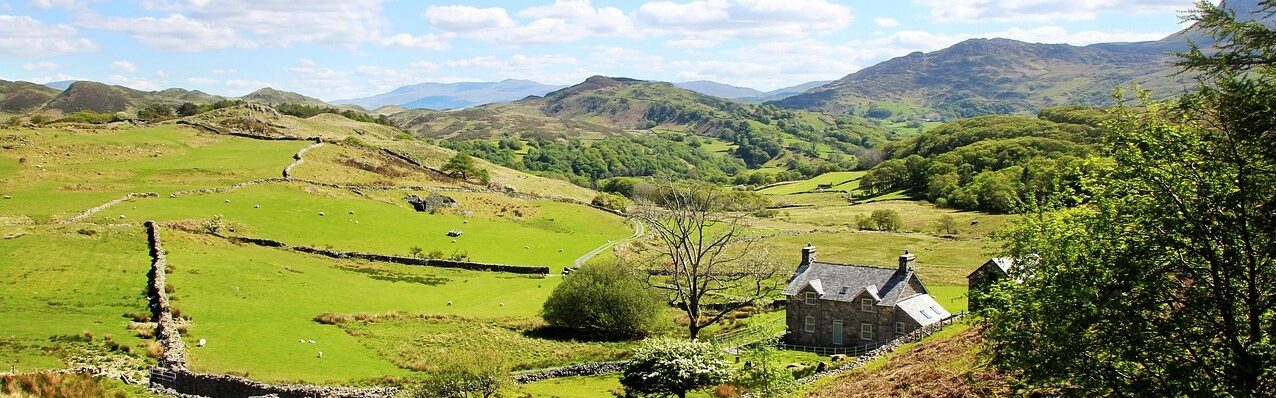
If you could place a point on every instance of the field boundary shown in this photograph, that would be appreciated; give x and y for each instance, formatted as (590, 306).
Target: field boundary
(94, 210)
(171, 375)
(297, 158)
(386, 258)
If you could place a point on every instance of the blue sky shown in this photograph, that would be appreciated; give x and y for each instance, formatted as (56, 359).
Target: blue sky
(352, 48)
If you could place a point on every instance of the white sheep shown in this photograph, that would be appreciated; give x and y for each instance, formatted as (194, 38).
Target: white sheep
(201, 342)
(449, 303)
(320, 354)
(312, 341)
(321, 213)
(256, 206)
(227, 200)
(302, 341)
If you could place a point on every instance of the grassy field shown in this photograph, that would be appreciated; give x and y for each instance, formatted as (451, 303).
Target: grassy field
(51, 290)
(548, 232)
(254, 304)
(841, 181)
(64, 172)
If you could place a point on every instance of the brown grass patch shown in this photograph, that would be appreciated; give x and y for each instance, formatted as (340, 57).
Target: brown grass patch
(940, 368)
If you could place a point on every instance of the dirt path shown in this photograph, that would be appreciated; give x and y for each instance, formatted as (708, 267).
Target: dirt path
(640, 229)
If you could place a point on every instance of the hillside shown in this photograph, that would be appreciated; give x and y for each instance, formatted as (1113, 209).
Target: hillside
(22, 97)
(983, 76)
(272, 96)
(97, 97)
(453, 95)
(945, 365)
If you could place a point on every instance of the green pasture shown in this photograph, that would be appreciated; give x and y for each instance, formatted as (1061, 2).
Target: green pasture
(66, 172)
(255, 305)
(61, 282)
(842, 181)
(549, 233)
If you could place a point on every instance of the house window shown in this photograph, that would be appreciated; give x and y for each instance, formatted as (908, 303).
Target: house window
(899, 328)
(866, 305)
(866, 331)
(810, 323)
(812, 298)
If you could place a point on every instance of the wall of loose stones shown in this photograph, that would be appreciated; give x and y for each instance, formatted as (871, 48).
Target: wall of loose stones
(427, 262)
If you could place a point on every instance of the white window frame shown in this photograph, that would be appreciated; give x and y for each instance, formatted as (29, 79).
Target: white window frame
(812, 298)
(809, 326)
(866, 331)
(900, 328)
(867, 305)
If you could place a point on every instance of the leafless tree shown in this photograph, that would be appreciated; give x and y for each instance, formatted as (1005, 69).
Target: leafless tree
(702, 252)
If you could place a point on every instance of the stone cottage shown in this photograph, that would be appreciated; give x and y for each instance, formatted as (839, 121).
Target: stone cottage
(843, 305)
(986, 275)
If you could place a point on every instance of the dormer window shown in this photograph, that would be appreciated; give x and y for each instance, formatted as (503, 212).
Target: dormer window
(867, 305)
(844, 290)
(812, 298)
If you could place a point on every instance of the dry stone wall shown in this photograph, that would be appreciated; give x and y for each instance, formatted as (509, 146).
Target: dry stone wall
(174, 352)
(584, 369)
(298, 159)
(427, 262)
(87, 213)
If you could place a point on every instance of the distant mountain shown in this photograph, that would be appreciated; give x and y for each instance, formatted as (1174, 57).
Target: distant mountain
(97, 97)
(59, 85)
(269, 95)
(454, 95)
(782, 93)
(720, 90)
(988, 76)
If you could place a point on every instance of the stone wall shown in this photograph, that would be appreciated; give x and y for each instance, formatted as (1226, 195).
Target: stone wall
(174, 352)
(584, 369)
(884, 349)
(850, 314)
(85, 214)
(426, 262)
(186, 383)
(298, 159)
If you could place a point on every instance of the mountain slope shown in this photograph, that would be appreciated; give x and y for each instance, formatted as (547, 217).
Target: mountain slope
(97, 97)
(719, 90)
(22, 97)
(982, 76)
(272, 96)
(453, 95)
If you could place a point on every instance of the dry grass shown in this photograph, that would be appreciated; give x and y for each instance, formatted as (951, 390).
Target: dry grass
(939, 368)
(53, 385)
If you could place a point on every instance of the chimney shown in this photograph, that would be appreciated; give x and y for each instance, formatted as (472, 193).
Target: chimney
(808, 254)
(907, 262)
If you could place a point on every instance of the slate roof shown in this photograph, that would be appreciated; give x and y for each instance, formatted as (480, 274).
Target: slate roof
(843, 282)
(923, 309)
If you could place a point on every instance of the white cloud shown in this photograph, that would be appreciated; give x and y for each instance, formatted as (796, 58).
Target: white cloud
(690, 43)
(22, 36)
(48, 4)
(744, 18)
(201, 81)
(431, 42)
(41, 66)
(246, 84)
(564, 21)
(124, 66)
(620, 57)
(175, 32)
(196, 25)
(134, 83)
(1041, 10)
(886, 22)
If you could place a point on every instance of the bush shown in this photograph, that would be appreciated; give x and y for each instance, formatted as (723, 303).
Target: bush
(605, 299)
(611, 202)
(887, 220)
(668, 366)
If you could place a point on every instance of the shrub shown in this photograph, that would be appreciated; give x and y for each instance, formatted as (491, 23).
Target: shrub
(667, 366)
(887, 220)
(483, 372)
(606, 299)
(610, 201)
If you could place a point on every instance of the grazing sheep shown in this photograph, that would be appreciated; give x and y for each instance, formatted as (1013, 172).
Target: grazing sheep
(320, 354)
(311, 341)
(201, 343)
(351, 211)
(256, 206)
(527, 247)
(321, 213)
(302, 341)
(449, 303)
(8, 197)
(502, 304)
(227, 200)
(121, 216)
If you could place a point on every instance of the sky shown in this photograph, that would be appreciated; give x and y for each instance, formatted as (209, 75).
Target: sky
(354, 48)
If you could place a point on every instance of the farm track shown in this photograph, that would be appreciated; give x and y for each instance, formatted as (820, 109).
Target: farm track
(640, 229)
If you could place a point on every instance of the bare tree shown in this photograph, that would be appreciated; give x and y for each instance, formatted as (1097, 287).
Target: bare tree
(702, 252)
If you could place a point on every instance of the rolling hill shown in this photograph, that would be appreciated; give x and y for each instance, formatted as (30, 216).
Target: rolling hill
(986, 76)
(22, 97)
(272, 96)
(453, 95)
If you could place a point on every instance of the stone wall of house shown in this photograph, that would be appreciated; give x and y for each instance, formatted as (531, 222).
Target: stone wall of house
(427, 262)
(884, 349)
(980, 281)
(852, 316)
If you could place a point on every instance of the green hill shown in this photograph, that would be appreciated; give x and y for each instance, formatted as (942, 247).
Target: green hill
(22, 97)
(267, 95)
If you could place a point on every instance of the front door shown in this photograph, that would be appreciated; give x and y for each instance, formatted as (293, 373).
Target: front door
(837, 332)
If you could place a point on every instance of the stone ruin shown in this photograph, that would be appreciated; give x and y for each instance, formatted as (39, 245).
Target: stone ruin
(430, 203)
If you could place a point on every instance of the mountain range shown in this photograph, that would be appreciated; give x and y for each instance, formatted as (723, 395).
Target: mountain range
(453, 95)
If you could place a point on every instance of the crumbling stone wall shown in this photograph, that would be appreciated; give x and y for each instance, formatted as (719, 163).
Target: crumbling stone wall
(174, 350)
(584, 369)
(298, 159)
(428, 262)
(87, 213)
